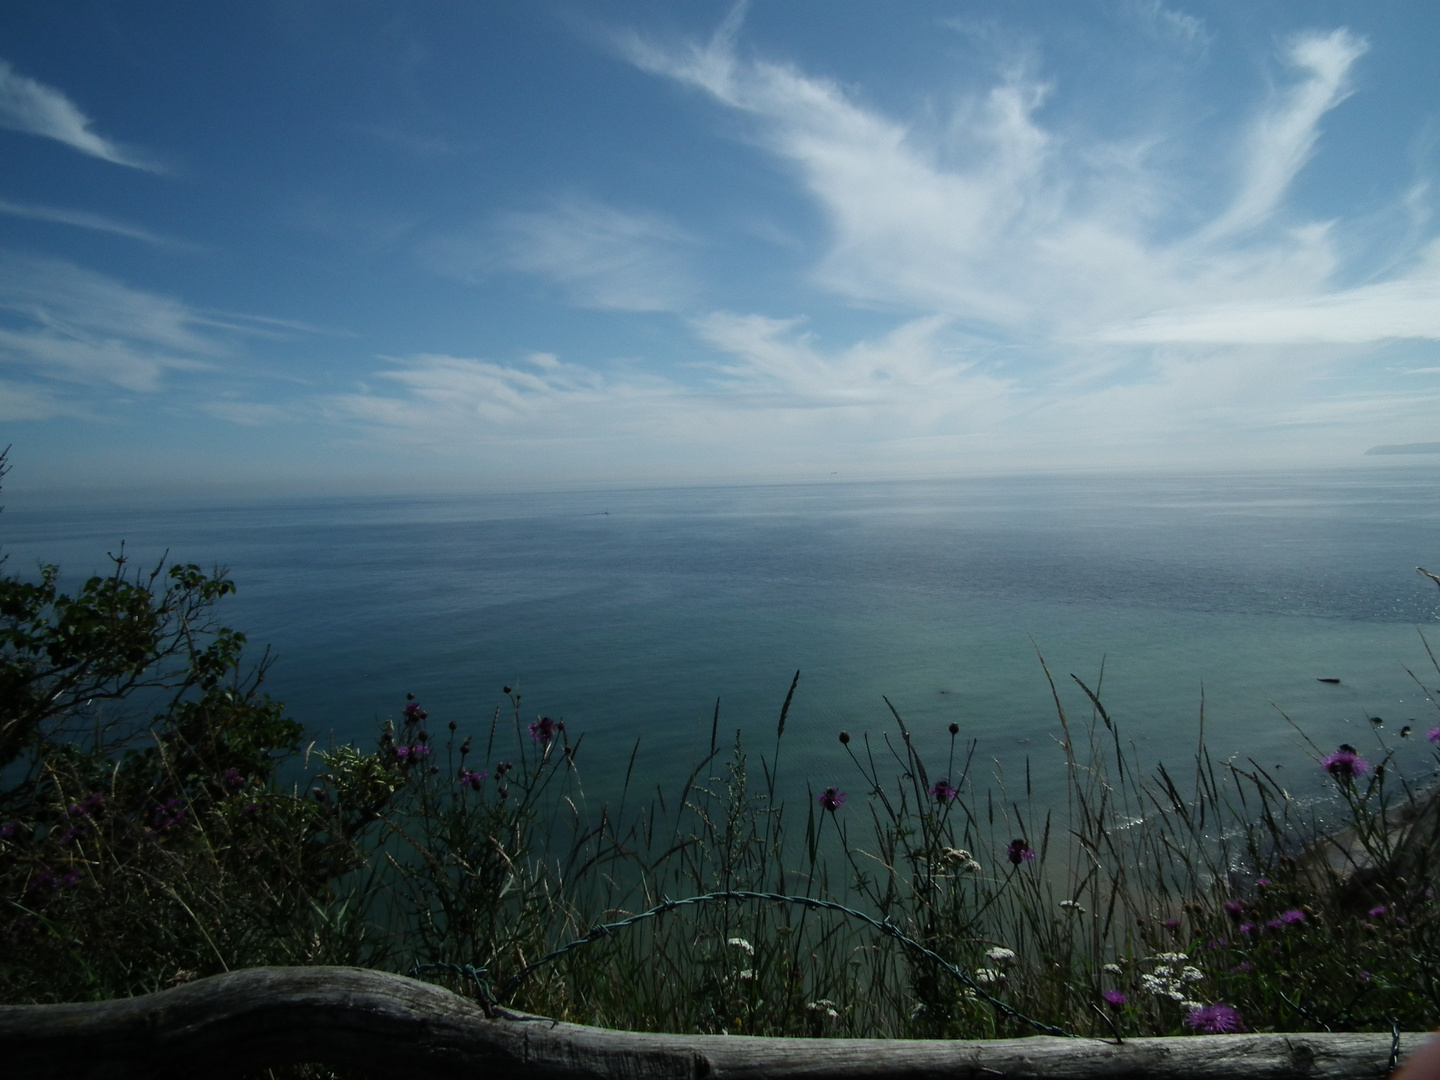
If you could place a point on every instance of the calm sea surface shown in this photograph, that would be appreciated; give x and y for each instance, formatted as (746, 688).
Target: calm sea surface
(628, 613)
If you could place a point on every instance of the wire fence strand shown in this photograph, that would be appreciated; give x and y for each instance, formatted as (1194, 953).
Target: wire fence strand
(603, 930)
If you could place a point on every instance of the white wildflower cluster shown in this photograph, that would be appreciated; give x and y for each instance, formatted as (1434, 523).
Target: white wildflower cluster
(1000, 955)
(1172, 978)
(963, 859)
(1113, 969)
(988, 976)
(1072, 906)
(824, 1007)
(742, 944)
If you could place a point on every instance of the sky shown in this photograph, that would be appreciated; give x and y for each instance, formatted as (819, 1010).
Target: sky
(408, 246)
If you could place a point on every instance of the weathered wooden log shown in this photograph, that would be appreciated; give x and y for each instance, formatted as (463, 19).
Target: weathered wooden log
(391, 1026)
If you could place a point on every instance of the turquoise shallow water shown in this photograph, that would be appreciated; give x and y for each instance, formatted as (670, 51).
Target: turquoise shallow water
(629, 612)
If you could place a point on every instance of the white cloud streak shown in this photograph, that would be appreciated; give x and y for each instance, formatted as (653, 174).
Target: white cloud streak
(1282, 139)
(60, 322)
(36, 109)
(1005, 223)
(81, 219)
(599, 256)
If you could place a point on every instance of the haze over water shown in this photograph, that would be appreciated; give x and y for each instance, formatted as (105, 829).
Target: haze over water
(628, 613)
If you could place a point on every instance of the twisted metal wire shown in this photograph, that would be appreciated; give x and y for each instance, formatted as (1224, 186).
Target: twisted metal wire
(474, 974)
(885, 926)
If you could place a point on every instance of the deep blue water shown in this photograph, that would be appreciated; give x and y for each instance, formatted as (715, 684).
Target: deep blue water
(628, 613)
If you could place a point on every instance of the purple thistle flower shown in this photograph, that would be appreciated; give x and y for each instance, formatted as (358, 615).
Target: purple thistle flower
(831, 799)
(1275, 924)
(1294, 915)
(1378, 910)
(1234, 909)
(402, 752)
(1019, 851)
(1172, 924)
(169, 814)
(543, 730)
(233, 780)
(419, 750)
(1114, 998)
(942, 792)
(1433, 735)
(414, 713)
(1247, 928)
(1215, 1019)
(1345, 764)
(472, 778)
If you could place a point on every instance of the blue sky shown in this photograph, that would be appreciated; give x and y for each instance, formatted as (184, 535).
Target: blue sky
(505, 245)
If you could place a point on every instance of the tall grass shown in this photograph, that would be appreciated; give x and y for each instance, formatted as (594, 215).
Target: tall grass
(1143, 904)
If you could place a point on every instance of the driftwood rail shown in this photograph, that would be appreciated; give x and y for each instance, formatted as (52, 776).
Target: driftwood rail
(391, 1026)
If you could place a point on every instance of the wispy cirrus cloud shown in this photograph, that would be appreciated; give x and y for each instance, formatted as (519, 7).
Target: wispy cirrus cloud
(1282, 138)
(82, 219)
(36, 109)
(1407, 307)
(598, 255)
(999, 220)
(61, 322)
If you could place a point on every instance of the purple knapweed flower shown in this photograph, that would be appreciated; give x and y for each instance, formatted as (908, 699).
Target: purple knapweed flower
(87, 806)
(1114, 998)
(831, 799)
(1345, 764)
(1378, 910)
(942, 791)
(1019, 851)
(1242, 967)
(419, 750)
(169, 814)
(1274, 924)
(9, 829)
(403, 753)
(414, 713)
(1234, 909)
(1171, 924)
(1247, 928)
(1262, 881)
(1215, 1019)
(472, 778)
(233, 780)
(1433, 735)
(544, 729)
(1294, 915)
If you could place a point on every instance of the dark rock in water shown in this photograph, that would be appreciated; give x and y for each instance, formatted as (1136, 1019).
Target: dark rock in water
(1376, 720)
(1332, 681)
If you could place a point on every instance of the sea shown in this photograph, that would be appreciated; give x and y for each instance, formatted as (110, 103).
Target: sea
(1206, 607)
